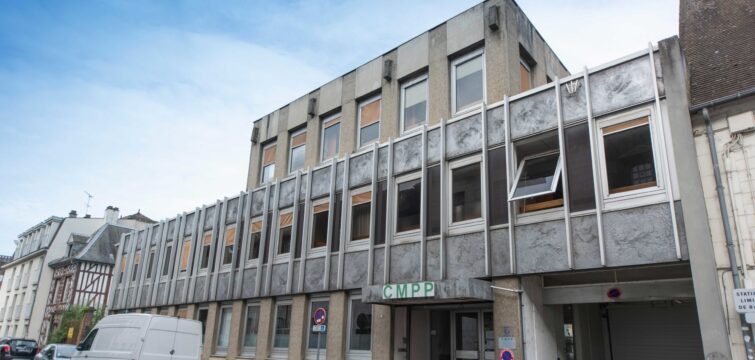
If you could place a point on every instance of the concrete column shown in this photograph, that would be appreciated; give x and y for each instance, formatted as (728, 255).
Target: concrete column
(254, 164)
(382, 346)
(209, 331)
(588, 332)
(540, 321)
(496, 69)
(312, 154)
(299, 322)
(171, 311)
(191, 311)
(265, 334)
(507, 315)
(348, 115)
(281, 143)
(509, 19)
(438, 77)
(337, 314)
(154, 311)
(389, 104)
(237, 326)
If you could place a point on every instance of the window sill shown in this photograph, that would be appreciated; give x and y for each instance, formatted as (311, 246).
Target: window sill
(540, 216)
(281, 259)
(407, 237)
(358, 245)
(466, 227)
(634, 199)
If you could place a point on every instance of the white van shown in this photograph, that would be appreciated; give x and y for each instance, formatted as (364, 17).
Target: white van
(142, 337)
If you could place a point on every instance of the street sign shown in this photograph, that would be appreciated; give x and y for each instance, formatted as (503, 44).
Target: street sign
(507, 354)
(507, 342)
(319, 316)
(423, 289)
(744, 300)
(319, 328)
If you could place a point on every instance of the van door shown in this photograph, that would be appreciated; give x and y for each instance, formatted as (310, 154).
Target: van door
(187, 344)
(158, 341)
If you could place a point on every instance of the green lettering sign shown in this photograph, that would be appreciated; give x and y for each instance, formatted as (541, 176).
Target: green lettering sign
(423, 289)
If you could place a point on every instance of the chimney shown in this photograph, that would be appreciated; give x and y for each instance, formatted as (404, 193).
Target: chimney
(111, 215)
(72, 214)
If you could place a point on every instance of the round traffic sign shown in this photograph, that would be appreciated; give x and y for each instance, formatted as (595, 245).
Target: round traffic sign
(319, 316)
(506, 354)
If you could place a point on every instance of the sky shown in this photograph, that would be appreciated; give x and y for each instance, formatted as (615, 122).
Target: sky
(148, 105)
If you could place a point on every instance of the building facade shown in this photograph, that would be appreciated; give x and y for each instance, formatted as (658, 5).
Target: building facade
(437, 207)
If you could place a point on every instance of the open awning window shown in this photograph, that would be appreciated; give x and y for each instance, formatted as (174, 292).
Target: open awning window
(537, 175)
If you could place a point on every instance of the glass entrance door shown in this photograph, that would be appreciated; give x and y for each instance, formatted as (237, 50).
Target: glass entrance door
(473, 335)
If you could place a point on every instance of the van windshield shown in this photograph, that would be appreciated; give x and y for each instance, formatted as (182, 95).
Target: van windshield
(65, 351)
(25, 343)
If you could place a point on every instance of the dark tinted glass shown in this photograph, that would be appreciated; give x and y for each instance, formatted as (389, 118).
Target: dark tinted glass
(269, 236)
(205, 257)
(319, 229)
(336, 237)
(380, 214)
(579, 168)
(408, 205)
(433, 201)
(497, 191)
(360, 221)
(150, 264)
(166, 260)
(284, 241)
(360, 326)
(254, 252)
(299, 229)
(369, 133)
(465, 199)
(227, 254)
(629, 160)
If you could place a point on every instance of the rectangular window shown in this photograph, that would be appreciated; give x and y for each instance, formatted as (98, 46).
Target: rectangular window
(251, 325)
(124, 258)
(204, 261)
(331, 133)
(299, 230)
(254, 240)
(369, 121)
(202, 318)
(335, 238)
(579, 168)
(320, 225)
(166, 259)
(497, 191)
(312, 342)
(360, 325)
(137, 260)
(465, 193)
(538, 182)
(629, 161)
(433, 200)
(268, 163)
(414, 103)
(298, 148)
(409, 194)
(380, 212)
(230, 239)
(285, 220)
(468, 76)
(185, 254)
(360, 216)
(525, 76)
(224, 329)
(269, 237)
(150, 263)
(282, 326)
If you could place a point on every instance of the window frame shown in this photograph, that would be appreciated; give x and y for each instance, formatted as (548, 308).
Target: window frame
(262, 163)
(203, 270)
(528, 68)
(151, 254)
(278, 258)
(454, 64)
(291, 149)
(361, 243)
(250, 246)
(279, 352)
(407, 84)
(165, 270)
(469, 225)
(310, 251)
(362, 103)
(323, 121)
(226, 229)
(520, 167)
(407, 235)
(249, 351)
(217, 349)
(352, 354)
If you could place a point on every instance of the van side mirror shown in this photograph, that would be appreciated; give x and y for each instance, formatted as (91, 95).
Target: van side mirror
(80, 347)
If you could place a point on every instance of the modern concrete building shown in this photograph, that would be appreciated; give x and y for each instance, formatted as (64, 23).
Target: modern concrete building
(24, 293)
(437, 207)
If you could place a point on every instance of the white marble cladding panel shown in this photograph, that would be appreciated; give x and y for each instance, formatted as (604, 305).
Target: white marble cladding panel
(464, 136)
(232, 210)
(533, 114)
(333, 279)
(314, 274)
(258, 202)
(465, 254)
(574, 105)
(130, 296)
(303, 187)
(433, 260)
(525, 30)
(499, 252)
(178, 295)
(465, 29)
(161, 294)
(297, 112)
(433, 146)
(404, 263)
(360, 169)
(143, 297)
(171, 228)
(680, 227)
(355, 270)
(620, 86)
(339, 175)
(222, 289)
(330, 96)
(413, 55)
(541, 247)
(271, 197)
(116, 296)
(407, 154)
(156, 232)
(321, 182)
(249, 279)
(278, 279)
(295, 277)
(272, 124)
(288, 191)
(378, 257)
(369, 77)
(639, 236)
(199, 289)
(189, 227)
(383, 162)
(496, 126)
(585, 242)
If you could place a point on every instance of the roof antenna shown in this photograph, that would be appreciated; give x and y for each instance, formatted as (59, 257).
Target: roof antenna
(89, 198)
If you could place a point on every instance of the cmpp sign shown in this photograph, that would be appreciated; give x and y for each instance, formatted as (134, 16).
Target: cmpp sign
(423, 289)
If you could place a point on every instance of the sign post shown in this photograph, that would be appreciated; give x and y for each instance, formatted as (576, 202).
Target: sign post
(318, 319)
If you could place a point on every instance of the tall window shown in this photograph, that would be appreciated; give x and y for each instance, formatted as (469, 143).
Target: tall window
(414, 103)
(224, 329)
(298, 148)
(254, 240)
(360, 215)
(185, 254)
(360, 325)
(312, 342)
(282, 326)
(498, 189)
(204, 260)
(465, 193)
(320, 225)
(230, 239)
(150, 263)
(123, 267)
(137, 260)
(286, 220)
(578, 157)
(538, 182)
(331, 133)
(525, 76)
(628, 153)
(409, 194)
(268, 163)
(369, 121)
(380, 212)
(166, 259)
(468, 81)
(251, 326)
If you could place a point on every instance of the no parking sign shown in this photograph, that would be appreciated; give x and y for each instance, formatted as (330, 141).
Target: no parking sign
(507, 354)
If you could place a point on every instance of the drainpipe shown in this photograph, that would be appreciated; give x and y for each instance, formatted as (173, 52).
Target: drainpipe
(746, 331)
